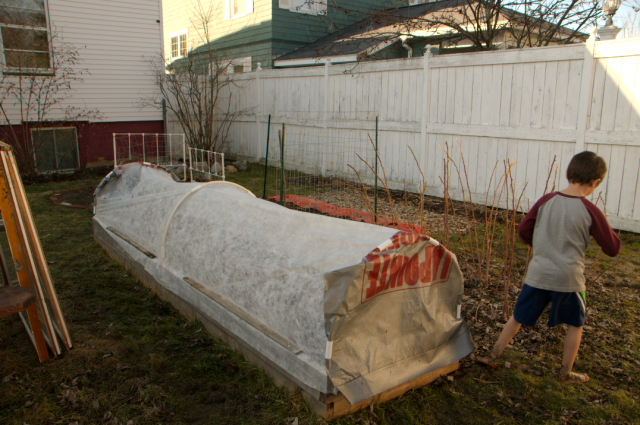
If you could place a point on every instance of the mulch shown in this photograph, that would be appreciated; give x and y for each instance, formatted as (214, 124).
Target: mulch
(76, 198)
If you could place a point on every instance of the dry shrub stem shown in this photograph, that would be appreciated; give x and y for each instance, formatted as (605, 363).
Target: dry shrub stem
(422, 189)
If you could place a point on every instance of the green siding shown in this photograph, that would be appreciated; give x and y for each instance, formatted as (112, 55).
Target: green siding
(286, 31)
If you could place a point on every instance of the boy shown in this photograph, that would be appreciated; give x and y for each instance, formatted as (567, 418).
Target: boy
(559, 227)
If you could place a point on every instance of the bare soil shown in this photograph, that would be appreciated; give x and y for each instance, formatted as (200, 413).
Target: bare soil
(81, 197)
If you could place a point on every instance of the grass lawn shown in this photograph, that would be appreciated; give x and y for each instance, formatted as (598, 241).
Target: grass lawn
(137, 360)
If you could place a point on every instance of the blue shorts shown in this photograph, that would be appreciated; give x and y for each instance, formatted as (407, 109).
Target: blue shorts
(566, 307)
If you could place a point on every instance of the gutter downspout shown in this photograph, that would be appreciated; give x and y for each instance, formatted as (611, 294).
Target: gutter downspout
(406, 46)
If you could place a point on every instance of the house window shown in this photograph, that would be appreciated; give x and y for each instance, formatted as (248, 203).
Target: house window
(237, 8)
(24, 36)
(311, 7)
(239, 65)
(56, 149)
(179, 41)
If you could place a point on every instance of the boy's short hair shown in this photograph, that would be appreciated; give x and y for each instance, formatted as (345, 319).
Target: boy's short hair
(586, 167)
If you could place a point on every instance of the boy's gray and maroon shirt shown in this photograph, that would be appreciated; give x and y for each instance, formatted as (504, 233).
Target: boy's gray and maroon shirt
(559, 227)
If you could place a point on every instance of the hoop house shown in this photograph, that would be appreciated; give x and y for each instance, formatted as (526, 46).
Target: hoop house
(343, 310)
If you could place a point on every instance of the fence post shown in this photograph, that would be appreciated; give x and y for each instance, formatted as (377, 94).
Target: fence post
(425, 105)
(258, 110)
(323, 168)
(586, 88)
(266, 160)
(282, 167)
(375, 178)
(115, 156)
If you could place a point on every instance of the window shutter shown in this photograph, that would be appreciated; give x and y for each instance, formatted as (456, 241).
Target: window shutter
(284, 4)
(249, 6)
(227, 9)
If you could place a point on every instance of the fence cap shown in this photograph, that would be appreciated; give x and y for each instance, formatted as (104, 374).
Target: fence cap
(5, 147)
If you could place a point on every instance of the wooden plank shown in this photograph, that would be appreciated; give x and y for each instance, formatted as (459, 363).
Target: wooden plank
(476, 99)
(549, 94)
(384, 96)
(524, 133)
(442, 97)
(516, 95)
(458, 102)
(528, 74)
(390, 111)
(537, 97)
(472, 163)
(573, 98)
(483, 166)
(450, 101)
(505, 99)
(14, 299)
(542, 54)
(617, 48)
(605, 152)
(611, 92)
(339, 406)
(616, 168)
(629, 185)
(467, 96)
(560, 97)
(628, 77)
(487, 99)
(533, 164)
(496, 94)
(597, 96)
(619, 138)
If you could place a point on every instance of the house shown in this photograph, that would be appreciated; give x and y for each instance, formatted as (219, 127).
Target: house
(252, 31)
(96, 55)
(405, 31)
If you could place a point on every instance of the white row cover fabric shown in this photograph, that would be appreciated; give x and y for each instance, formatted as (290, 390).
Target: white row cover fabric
(285, 281)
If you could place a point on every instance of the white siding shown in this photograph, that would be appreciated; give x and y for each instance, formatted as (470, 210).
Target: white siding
(115, 40)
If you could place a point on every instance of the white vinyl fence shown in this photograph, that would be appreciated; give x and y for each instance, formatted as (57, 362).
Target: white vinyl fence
(525, 105)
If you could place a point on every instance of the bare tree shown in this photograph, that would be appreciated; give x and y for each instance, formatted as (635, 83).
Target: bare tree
(39, 73)
(196, 87)
(630, 22)
(484, 24)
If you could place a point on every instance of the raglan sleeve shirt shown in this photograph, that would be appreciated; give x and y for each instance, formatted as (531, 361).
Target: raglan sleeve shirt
(559, 228)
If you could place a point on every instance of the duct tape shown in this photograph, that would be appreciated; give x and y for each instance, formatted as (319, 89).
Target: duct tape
(329, 351)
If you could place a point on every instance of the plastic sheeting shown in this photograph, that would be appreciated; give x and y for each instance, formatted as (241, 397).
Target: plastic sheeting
(297, 287)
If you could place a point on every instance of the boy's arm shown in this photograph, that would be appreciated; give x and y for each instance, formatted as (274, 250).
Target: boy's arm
(602, 231)
(525, 228)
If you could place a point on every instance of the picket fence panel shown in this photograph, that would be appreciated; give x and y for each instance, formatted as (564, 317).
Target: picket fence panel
(528, 106)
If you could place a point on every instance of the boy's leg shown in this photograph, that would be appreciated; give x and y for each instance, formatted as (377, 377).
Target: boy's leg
(531, 302)
(571, 346)
(510, 330)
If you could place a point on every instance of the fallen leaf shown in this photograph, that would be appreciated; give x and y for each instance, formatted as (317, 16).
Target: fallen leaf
(95, 404)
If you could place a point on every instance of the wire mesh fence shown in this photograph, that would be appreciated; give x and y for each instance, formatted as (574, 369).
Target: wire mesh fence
(329, 171)
(207, 165)
(155, 148)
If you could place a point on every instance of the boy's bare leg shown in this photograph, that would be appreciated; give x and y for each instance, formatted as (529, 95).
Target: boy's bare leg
(571, 346)
(510, 330)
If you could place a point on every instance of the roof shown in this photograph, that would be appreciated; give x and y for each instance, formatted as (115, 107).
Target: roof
(379, 31)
